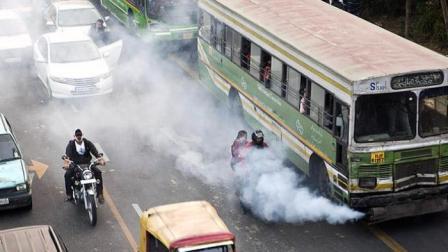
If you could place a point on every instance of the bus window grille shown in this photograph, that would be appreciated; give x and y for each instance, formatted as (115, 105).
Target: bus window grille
(443, 166)
(380, 171)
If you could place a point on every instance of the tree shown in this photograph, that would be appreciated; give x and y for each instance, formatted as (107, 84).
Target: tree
(407, 18)
(444, 5)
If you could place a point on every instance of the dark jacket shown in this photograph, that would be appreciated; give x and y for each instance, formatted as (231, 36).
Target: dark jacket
(71, 152)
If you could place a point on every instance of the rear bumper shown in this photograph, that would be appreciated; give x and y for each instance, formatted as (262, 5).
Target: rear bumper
(17, 201)
(413, 202)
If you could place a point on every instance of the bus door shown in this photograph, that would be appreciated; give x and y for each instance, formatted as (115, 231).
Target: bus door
(340, 131)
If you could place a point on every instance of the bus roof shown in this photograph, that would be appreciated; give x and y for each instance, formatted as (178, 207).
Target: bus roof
(186, 224)
(345, 44)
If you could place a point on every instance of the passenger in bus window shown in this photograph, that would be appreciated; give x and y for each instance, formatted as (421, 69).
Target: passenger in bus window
(267, 74)
(304, 101)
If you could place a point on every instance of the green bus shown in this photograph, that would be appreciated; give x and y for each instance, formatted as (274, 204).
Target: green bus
(157, 20)
(364, 112)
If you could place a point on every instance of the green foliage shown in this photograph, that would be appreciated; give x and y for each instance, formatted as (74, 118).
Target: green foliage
(377, 8)
(426, 20)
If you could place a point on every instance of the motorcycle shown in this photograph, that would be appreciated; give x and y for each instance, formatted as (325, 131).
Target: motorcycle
(84, 186)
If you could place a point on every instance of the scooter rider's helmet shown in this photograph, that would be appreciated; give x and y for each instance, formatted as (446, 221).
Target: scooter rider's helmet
(258, 137)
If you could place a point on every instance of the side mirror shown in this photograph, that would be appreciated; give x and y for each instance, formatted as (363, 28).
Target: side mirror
(51, 25)
(15, 153)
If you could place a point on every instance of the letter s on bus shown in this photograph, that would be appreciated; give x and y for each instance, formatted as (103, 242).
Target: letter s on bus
(372, 86)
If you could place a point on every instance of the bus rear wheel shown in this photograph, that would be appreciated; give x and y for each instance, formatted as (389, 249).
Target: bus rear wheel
(132, 25)
(235, 105)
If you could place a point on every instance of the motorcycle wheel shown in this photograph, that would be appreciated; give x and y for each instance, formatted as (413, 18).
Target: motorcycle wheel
(91, 209)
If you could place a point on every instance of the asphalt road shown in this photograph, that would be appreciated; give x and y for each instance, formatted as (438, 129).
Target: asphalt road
(167, 140)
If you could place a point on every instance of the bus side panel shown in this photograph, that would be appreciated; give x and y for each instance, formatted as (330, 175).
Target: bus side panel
(118, 8)
(273, 107)
(219, 74)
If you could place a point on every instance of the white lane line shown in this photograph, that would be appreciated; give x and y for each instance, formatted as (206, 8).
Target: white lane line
(74, 108)
(101, 150)
(137, 209)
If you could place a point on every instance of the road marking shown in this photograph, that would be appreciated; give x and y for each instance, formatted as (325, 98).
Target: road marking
(184, 67)
(386, 239)
(101, 150)
(38, 167)
(137, 209)
(119, 219)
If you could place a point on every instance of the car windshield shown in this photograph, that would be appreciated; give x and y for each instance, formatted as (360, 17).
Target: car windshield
(8, 149)
(11, 27)
(179, 12)
(433, 118)
(224, 248)
(77, 17)
(70, 52)
(385, 117)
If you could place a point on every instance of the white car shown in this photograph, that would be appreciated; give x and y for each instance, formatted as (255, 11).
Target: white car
(72, 16)
(71, 65)
(15, 41)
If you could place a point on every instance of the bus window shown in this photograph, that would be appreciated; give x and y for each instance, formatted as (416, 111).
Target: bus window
(276, 76)
(245, 53)
(293, 87)
(154, 245)
(304, 95)
(228, 42)
(328, 111)
(205, 26)
(217, 35)
(433, 112)
(265, 68)
(317, 103)
(255, 59)
(385, 117)
(236, 48)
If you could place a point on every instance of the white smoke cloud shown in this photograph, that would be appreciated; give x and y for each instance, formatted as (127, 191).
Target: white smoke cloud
(154, 102)
(276, 193)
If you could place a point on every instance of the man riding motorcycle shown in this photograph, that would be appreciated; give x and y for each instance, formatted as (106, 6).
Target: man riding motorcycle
(79, 150)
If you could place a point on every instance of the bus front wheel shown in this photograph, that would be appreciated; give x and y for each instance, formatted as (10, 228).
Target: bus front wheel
(235, 105)
(319, 176)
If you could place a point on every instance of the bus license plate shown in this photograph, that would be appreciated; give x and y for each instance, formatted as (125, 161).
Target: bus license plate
(4, 201)
(377, 157)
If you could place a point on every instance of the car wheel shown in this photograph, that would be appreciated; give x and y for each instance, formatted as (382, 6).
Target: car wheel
(47, 93)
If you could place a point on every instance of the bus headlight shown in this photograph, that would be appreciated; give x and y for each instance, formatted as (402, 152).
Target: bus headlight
(367, 182)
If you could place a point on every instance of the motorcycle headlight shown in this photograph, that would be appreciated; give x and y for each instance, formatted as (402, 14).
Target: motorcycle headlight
(87, 174)
(367, 182)
(58, 79)
(21, 187)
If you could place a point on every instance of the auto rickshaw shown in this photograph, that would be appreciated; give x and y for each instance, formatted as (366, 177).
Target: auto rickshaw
(181, 227)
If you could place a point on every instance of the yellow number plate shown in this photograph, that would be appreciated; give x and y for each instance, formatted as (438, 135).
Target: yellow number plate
(377, 157)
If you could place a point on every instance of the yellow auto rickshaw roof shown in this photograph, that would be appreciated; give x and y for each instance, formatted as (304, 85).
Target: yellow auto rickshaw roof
(186, 224)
